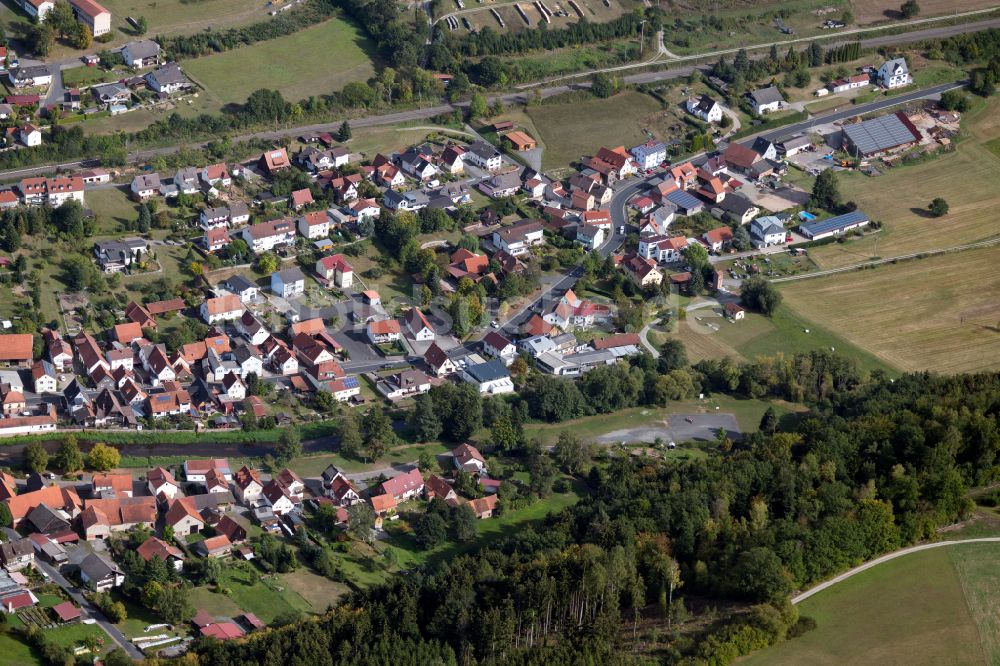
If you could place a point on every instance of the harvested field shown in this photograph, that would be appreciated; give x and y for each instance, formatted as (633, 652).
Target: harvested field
(939, 313)
(878, 11)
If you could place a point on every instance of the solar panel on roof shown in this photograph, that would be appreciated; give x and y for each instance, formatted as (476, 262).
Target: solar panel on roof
(683, 199)
(878, 134)
(351, 382)
(837, 223)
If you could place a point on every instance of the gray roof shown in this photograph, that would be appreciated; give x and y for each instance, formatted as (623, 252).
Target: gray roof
(882, 133)
(705, 104)
(146, 48)
(834, 224)
(240, 283)
(293, 274)
(31, 72)
(768, 224)
(111, 90)
(46, 520)
(483, 149)
(488, 372)
(737, 204)
(97, 567)
(796, 142)
(767, 95)
(167, 75)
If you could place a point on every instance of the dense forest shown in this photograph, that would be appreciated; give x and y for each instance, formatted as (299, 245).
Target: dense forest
(878, 463)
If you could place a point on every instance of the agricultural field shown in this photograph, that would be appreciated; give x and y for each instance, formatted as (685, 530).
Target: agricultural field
(581, 126)
(932, 607)
(706, 334)
(167, 17)
(938, 313)
(966, 178)
(279, 64)
(878, 11)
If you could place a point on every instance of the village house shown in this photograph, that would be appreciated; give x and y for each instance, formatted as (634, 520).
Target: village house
(265, 236)
(662, 249)
(894, 74)
(228, 307)
(498, 346)
(336, 269)
(137, 55)
(649, 155)
(385, 331)
(161, 483)
(418, 325)
(247, 485)
(161, 550)
(183, 518)
(438, 361)
(100, 574)
(767, 231)
(468, 458)
(765, 100)
(404, 384)
(705, 108)
(288, 283)
(404, 487)
(518, 238)
(314, 225)
(274, 161)
(145, 186)
(167, 79)
(483, 155)
(719, 238)
(641, 271)
(490, 377)
(114, 256)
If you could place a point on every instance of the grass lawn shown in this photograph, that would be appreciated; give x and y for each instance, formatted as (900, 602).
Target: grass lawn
(112, 208)
(17, 653)
(966, 178)
(178, 16)
(73, 635)
(314, 465)
(88, 76)
(581, 126)
(278, 64)
(913, 610)
(942, 315)
(257, 598)
(756, 335)
(318, 591)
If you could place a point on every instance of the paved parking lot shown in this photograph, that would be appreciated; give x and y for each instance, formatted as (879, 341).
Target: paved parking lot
(678, 428)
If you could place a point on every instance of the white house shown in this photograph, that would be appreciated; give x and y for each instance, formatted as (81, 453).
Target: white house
(289, 282)
(490, 377)
(265, 236)
(62, 190)
(222, 308)
(706, 108)
(145, 53)
(418, 325)
(894, 74)
(766, 231)
(518, 238)
(314, 225)
(387, 330)
(664, 249)
(336, 269)
(483, 155)
(247, 291)
(145, 186)
(160, 481)
(30, 135)
(590, 236)
(765, 100)
(650, 154)
(500, 347)
(167, 79)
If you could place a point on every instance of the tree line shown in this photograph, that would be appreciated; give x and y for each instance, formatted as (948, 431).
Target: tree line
(877, 464)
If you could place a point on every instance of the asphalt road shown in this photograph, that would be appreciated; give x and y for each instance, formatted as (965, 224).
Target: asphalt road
(91, 610)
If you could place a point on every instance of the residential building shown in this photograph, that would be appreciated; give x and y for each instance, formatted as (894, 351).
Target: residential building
(314, 225)
(30, 76)
(145, 53)
(100, 574)
(765, 100)
(466, 457)
(641, 271)
(30, 135)
(438, 361)
(718, 239)
(518, 238)
(767, 231)
(738, 208)
(288, 282)
(385, 331)
(501, 185)
(43, 377)
(404, 384)
(216, 175)
(215, 547)
(265, 236)
(483, 155)
(894, 74)
(115, 256)
(161, 550)
(662, 249)
(161, 483)
(705, 108)
(145, 186)
(404, 487)
(16, 554)
(336, 270)
(183, 518)
(274, 160)
(418, 325)
(491, 377)
(410, 201)
(498, 346)
(196, 470)
(228, 307)
(248, 486)
(247, 290)
(167, 79)
(649, 155)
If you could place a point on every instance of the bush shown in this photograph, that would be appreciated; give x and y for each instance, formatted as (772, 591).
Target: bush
(804, 625)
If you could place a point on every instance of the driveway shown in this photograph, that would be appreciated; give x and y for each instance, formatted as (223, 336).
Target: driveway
(677, 428)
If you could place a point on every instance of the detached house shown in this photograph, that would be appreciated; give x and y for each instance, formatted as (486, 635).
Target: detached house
(483, 155)
(222, 308)
(137, 55)
(894, 74)
(161, 483)
(314, 225)
(405, 486)
(381, 332)
(438, 361)
(705, 108)
(288, 283)
(765, 100)
(265, 236)
(418, 325)
(518, 239)
(335, 269)
(248, 485)
(498, 346)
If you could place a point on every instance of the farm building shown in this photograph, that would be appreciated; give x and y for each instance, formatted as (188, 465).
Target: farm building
(834, 226)
(880, 135)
